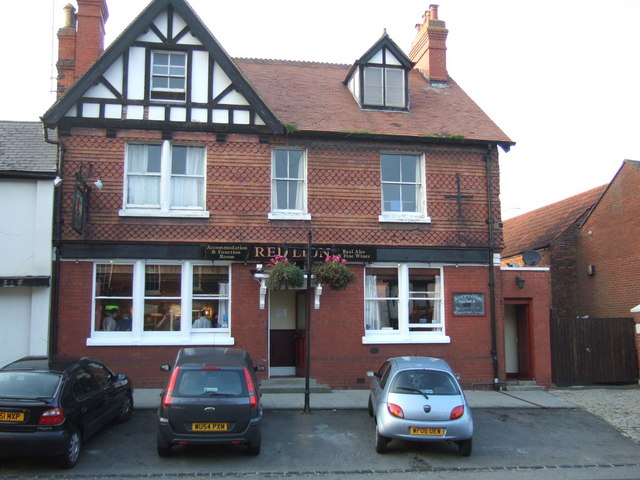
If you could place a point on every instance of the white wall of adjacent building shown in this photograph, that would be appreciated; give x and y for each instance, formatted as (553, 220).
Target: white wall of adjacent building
(26, 219)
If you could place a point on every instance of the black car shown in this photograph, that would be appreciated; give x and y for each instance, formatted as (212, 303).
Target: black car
(49, 405)
(212, 397)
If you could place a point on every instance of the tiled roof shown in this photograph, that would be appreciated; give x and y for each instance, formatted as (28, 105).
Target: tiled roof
(312, 97)
(23, 149)
(537, 229)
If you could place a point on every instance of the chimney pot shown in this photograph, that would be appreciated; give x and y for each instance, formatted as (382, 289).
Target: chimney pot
(69, 16)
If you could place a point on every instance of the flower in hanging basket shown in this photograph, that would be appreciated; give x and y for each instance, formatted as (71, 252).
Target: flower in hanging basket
(283, 274)
(334, 273)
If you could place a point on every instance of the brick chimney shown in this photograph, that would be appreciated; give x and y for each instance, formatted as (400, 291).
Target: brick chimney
(429, 48)
(79, 48)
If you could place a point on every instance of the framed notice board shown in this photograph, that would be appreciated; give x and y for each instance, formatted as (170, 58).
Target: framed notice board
(468, 303)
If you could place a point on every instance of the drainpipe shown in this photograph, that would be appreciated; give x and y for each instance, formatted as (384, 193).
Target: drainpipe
(492, 276)
(57, 241)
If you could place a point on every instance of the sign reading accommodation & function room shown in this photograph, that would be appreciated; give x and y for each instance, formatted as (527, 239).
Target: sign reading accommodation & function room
(262, 253)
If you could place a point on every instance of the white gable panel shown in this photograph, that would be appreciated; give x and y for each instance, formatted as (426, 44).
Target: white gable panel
(113, 111)
(199, 115)
(149, 35)
(234, 98)
(72, 112)
(178, 25)
(258, 120)
(156, 113)
(391, 59)
(241, 117)
(91, 110)
(135, 112)
(377, 58)
(135, 82)
(114, 74)
(161, 23)
(220, 116)
(199, 83)
(220, 80)
(99, 91)
(178, 114)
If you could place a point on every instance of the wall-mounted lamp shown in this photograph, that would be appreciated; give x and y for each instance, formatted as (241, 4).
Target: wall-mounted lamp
(57, 181)
(82, 180)
(520, 282)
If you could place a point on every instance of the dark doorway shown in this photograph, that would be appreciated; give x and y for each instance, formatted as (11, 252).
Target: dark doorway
(517, 339)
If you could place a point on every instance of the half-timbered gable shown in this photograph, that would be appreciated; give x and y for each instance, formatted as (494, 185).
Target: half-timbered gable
(165, 71)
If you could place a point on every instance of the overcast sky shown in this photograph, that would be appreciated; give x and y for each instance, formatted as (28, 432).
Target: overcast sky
(560, 77)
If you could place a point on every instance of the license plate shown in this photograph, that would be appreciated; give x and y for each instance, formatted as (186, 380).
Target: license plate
(431, 432)
(209, 427)
(11, 417)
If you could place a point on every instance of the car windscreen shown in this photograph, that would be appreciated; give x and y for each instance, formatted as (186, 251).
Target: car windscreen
(28, 384)
(430, 382)
(210, 382)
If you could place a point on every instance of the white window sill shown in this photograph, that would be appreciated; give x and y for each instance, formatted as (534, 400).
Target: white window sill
(124, 339)
(289, 216)
(400, 218)
(385, 338)
(139, 212)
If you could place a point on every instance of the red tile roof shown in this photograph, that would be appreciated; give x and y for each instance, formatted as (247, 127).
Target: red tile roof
(538, 228)
(312, 97)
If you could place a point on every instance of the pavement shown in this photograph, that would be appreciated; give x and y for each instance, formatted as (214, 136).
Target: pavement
(616, 405)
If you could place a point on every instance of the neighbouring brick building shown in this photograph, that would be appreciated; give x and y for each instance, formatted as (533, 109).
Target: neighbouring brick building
(210, 166)
(589, 242)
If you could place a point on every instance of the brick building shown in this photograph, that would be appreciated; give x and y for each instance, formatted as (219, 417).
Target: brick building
(589, 243)
(211, 166)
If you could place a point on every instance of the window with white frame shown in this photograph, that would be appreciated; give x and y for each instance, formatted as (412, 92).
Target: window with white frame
(164, 180)
(288, 184)
(168, 76)
(403, 304)
(403, 188)
(161, 303)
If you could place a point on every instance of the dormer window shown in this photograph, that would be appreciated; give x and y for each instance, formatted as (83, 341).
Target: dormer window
(380, 78)
(384, 87)
(168, 76)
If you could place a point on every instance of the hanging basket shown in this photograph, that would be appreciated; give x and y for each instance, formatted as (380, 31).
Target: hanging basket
(334, 273)
(284, 275)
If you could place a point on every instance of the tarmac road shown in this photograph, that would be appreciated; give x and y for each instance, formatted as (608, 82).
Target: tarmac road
(339, 444)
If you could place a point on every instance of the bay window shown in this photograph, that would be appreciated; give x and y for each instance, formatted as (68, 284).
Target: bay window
(403, 304)
(146, 302)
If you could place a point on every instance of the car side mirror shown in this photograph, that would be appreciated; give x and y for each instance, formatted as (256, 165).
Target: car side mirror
(121, 377)
(457, 375)
(165, 367)
(371, 374)
(259, 368)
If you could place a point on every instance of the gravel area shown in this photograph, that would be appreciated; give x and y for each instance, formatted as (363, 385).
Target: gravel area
(618, 406)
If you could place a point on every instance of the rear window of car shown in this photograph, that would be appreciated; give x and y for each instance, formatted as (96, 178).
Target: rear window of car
(196, 383)
(424, 381)
(28, 384)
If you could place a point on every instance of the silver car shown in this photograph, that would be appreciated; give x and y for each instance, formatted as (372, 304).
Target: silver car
(419, 399)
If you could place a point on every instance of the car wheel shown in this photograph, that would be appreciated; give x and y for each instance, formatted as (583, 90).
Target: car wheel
(370, 407)
(163, 447)
(465, 447)
(253, 448)
(381, 442)
(126, 410)
(71, 454)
